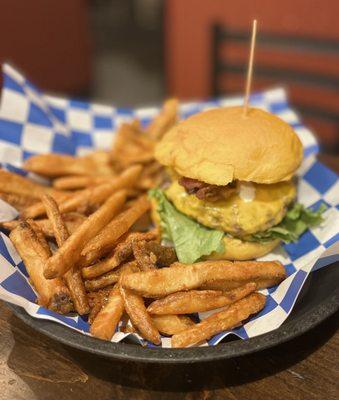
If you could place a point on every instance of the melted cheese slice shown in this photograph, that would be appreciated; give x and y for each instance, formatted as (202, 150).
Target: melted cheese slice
(238, 215)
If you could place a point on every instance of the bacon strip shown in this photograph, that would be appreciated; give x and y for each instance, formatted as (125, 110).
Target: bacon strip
(205, 191)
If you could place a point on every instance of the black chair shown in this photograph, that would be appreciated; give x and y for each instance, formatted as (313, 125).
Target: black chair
(314, 93)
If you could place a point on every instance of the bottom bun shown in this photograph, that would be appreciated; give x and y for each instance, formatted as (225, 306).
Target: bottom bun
(236, 249)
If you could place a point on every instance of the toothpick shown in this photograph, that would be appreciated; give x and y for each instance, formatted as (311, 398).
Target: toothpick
(250, 69)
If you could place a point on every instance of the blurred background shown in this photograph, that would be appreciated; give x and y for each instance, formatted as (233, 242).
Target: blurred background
(136, 52)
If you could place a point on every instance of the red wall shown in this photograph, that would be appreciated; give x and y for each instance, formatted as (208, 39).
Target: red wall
(187, 31)
(48, 40)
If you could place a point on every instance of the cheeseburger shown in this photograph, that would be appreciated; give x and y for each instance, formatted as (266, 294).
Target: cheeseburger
(231, 193)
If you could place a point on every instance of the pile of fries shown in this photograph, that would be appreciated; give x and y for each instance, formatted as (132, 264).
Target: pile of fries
(88, 247)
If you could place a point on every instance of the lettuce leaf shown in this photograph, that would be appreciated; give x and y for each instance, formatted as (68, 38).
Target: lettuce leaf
(191, 240)
(296, 221)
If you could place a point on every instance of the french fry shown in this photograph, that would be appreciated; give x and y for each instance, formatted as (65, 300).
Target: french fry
(72, 221)
(94, 311)
(122, 252)
(103, 281)
(37, 209)
(165, 255)
(76, 287)
(227, 285)
(146, 261)
(195, 301)
(179, 277)
(141, 320)
(69, 253)
(41, 240)
(97, 301)
(171, 324)
(104, 324)
(165, 120)
(110, 278)
(131, 146)
(102, 162)
(151, 254)
(220, 321)
(54, 165)
(58, 226)
(92, 196)
(19, 202)
(152, 175)
(10, 225)
(52, 294)
(101, 244)
(73, 276)
(18, 185)
(79, 182)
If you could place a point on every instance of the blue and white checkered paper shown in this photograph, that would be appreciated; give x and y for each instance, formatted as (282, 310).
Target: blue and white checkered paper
(32, 123)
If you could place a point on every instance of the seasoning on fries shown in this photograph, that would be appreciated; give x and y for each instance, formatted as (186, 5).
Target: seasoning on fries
(194, 301)
(19, 202)
(103, 281)
(165, 120)
(73, 276)
(104, 241)
(92, 196)
(79, 182)
(122, 252)
(97, 301)
(72, 220)
(141, 320)
(146, 260)
(105, 322)
(220, 321)
(54, 165)
(131, 147)
(69, 253)
(107, 318)
(51, 293)
(158, 283)
(171, 324)
(15, 184)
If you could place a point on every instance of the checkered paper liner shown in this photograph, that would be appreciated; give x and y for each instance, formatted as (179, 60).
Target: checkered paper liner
(33, 123)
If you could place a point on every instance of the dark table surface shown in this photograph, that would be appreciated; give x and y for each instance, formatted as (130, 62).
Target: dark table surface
(34, 367)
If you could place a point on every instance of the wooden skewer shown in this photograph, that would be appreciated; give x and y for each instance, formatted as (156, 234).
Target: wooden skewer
(250, 68)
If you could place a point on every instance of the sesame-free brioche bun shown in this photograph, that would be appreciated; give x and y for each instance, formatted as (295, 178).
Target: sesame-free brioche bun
(240, 250)
(221, 145)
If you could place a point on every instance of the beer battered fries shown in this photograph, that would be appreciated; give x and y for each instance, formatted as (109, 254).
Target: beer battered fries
(220, 321)
(52, 293)
(171, 324)
(105, 240)
(54, 165)
(122, 252)
(72, 221)
(69, 253)
(105, 322)
(90, 197)
(195, 301)
(159, 283)
(72, 277)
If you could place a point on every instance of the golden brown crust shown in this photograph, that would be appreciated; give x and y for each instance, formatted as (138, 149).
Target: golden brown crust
(220, 145)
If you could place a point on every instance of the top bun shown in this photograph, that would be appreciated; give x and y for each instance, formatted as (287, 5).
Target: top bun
(221, 145)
